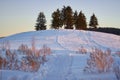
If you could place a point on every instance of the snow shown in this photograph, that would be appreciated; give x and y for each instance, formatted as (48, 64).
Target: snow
(64, 39)
(64, 63)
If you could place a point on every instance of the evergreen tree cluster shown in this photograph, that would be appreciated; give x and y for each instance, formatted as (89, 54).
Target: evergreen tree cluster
(67, 19)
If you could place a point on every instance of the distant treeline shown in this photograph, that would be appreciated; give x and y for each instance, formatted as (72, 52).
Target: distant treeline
(1, 37)
(106, 30)
(66, 18)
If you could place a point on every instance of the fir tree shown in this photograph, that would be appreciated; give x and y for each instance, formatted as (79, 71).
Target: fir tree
(81, 22)
(75, 18)
(56, 20)
(63, 16)
(68, 17)
(93, 21)
(41, 20)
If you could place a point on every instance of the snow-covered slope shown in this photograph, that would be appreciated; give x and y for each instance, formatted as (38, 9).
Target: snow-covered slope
(65, 39)
(63, 63)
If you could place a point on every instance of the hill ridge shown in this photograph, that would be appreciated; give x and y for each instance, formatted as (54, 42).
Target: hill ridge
(65, 39)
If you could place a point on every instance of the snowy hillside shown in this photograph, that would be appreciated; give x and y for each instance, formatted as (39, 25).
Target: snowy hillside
(64, 63)
(70, 40)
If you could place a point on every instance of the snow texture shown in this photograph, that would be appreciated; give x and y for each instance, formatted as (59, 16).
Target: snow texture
(64, 63)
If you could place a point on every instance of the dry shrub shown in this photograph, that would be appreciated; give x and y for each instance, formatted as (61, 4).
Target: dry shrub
(3, 62)
(30, 63)
(23, 48)
(11, 59)
(8, 60)
(82, 50)
(34, 57)
(99, 61)
(31, 58)
(33, 48)
(5, 45)
(45, 50)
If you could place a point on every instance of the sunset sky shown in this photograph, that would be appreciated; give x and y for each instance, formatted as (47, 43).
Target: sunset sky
(20, 15)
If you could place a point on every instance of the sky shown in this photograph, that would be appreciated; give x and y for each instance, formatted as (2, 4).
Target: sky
(18, 16)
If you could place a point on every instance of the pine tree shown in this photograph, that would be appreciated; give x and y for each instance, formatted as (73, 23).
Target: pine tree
(41, 20)
(81, 22)
(68, 18)
(93, 21)
(75, 18)
(56, 21)
(63, 16)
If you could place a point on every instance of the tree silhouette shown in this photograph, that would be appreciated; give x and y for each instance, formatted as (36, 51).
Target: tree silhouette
(93, 21)
(81, 22)
(75, 18)
(56, 19)
(68, 18)
(63, 16)
(41, 20)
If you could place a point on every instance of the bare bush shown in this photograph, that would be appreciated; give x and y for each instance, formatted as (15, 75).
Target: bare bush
(34, 57)
(45, 50)
(1, 62)
(11, 59)
(82, 50)
(99, 61)
(30, 58)
(23, 48)
(5, 45)
(33, 48)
